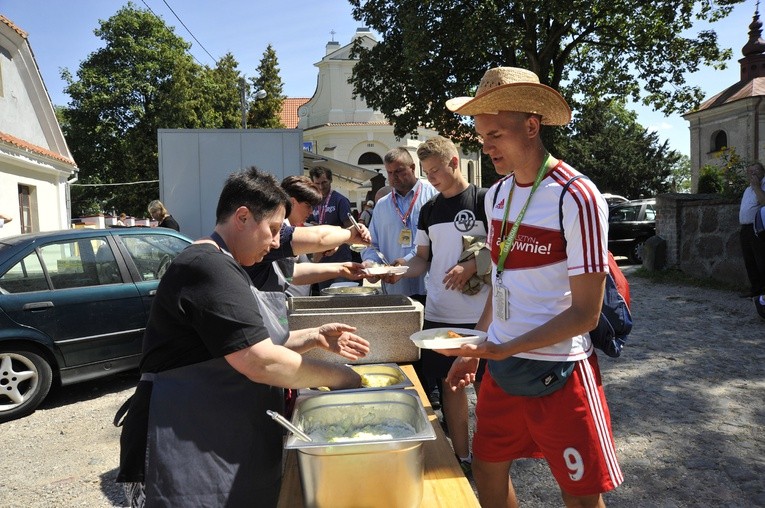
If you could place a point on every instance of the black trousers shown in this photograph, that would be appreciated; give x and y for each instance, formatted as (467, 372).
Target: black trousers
(753, 250)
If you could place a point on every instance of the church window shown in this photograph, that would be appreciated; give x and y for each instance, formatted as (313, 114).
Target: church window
(719, 141)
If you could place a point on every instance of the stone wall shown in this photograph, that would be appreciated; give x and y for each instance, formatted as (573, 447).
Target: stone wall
(702, 235)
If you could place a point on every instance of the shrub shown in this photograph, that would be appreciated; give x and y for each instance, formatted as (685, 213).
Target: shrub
(728, 178)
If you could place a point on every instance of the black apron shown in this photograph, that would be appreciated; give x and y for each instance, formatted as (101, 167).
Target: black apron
(210, 441)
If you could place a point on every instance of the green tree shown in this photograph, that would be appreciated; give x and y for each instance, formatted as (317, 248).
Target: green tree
(680, 177)
(605, 142)
(141, 80)
(224, 93)
(434, 50)
(265, 113)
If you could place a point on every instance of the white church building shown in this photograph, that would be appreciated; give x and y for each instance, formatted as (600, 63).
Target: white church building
(338, 126)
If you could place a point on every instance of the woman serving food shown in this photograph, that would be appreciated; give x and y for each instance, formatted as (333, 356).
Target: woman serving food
(216, 355)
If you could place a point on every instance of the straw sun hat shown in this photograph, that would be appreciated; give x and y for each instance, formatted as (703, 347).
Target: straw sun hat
(513, 89)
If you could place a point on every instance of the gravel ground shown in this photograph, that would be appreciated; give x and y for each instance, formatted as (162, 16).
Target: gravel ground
(686, 402)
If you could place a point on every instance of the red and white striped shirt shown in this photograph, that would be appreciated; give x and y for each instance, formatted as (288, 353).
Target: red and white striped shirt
(537, 268)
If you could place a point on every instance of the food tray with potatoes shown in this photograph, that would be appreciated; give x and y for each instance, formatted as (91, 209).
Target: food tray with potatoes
(376, 376)
(447, 338)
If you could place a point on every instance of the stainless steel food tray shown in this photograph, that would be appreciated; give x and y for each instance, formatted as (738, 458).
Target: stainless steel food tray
(329, 408)
(390, 370)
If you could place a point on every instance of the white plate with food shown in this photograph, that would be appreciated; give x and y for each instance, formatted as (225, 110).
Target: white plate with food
(447, 338)
(386, 270)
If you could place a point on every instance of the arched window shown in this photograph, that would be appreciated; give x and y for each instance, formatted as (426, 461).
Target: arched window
(719, 141)
(370, 158)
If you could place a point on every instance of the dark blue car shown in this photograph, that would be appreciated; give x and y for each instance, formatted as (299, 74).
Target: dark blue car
(74, 305)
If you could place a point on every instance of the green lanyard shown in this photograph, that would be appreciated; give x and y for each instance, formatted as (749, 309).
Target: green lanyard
(507, 244)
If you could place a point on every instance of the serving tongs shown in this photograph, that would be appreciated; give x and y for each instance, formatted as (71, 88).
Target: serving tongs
(288, 425)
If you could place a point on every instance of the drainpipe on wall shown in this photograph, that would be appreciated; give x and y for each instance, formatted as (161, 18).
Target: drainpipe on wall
(69, 183)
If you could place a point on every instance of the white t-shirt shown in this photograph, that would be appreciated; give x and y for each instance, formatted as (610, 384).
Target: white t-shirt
(538, 266)
(442, 224)
(749, 204)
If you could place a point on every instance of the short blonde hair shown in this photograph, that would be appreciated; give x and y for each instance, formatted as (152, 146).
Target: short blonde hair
(438, 146)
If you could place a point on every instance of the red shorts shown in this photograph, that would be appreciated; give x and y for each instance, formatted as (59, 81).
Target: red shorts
(570, 428)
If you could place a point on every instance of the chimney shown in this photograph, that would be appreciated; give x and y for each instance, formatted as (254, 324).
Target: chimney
(332, 46)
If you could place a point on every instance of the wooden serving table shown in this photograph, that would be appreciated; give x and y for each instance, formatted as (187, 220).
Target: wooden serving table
(444, 485)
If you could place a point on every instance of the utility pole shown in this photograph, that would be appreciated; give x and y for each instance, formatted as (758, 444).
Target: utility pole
(243, 100)
(260, 94)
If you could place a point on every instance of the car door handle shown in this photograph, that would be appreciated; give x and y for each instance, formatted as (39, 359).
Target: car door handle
(37, 305)
(152, 292)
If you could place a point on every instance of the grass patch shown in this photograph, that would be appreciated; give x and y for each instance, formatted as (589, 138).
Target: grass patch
(673, 276)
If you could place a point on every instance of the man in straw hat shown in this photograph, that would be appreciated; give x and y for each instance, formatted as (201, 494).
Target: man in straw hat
(541, 395)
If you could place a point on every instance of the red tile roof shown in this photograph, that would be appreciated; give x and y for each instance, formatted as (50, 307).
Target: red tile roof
(289, 110)
(10, 23)
(741, 90)
(20, 143)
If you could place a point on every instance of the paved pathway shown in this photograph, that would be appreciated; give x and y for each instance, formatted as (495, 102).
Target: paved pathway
(687, 401)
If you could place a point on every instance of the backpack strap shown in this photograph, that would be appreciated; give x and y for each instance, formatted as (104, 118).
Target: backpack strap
(480, 197)
(560, 204)
(496, 193)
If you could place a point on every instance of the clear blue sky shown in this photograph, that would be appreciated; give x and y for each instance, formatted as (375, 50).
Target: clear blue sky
(61, 36)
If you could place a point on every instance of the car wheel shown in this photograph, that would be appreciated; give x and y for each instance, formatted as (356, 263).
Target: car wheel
(636, 252)
(25, 379)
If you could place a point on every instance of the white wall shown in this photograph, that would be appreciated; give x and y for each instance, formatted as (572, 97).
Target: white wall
(194, 163)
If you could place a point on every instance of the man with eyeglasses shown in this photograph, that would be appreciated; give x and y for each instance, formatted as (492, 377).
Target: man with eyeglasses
(394, 222)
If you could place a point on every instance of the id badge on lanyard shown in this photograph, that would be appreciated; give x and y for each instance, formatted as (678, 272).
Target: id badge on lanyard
(501, 310)
(501, 294)
(405, 237)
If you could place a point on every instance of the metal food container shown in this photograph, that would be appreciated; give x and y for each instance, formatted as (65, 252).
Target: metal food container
(386, 321)
(389, 371)
(370, 473)
(350, 291)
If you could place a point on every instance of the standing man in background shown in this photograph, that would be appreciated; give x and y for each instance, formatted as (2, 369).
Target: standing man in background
(366, 216)
(396, 215)
(395, 222)
(752, 248)
(333, 209)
